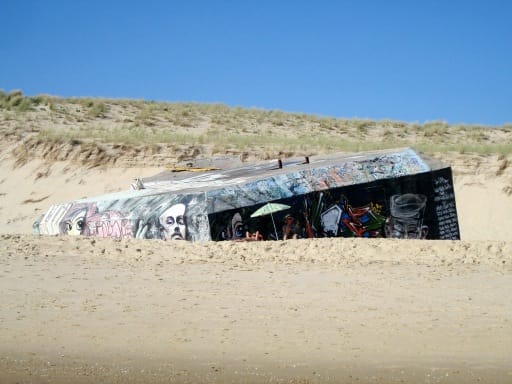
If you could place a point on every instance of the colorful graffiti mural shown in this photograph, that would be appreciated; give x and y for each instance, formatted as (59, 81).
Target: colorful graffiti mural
(383, 208)
(165, 217)
(313, 218)
(395, 194)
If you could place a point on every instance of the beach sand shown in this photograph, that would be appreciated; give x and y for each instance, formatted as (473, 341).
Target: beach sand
(89, 310)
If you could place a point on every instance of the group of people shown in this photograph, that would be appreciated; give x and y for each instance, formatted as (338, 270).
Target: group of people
(291, 230)
(236, 230)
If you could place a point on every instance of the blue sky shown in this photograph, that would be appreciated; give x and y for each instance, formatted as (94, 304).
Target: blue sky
(413, 61)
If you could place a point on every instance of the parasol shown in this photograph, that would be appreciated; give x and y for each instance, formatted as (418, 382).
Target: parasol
(270, 209)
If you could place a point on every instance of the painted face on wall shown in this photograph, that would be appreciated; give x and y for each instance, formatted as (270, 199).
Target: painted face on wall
(237, 226)
(172, 221)
(75, 224)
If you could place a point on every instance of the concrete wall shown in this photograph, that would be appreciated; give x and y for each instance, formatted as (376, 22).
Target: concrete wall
(359, 196)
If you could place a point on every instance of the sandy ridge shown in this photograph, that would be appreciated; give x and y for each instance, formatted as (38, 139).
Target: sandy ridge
(333, 252)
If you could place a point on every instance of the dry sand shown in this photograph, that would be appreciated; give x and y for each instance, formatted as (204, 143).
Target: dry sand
(83, 310)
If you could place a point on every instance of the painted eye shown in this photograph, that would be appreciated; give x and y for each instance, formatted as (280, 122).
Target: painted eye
(180, 220)
(169, 220)
(80, 225)
(69, 227)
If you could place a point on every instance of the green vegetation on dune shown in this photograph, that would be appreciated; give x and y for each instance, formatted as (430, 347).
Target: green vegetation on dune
(139, 122)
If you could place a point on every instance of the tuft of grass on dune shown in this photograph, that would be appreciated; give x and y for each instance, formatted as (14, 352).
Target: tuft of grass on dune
(14, 101)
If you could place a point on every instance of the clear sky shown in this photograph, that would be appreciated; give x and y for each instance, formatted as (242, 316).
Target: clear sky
(413, 61)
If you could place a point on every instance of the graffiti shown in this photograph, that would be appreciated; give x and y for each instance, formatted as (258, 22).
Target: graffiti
(446, 210)
(163, 216)
(107, 224)
(365, 170)
(406, 219)
(352, 171)
(147, 217)
(366, 196)
(49, 224)
(320, 214)
(169, 224)
(230, 225)
(172, 223)
(341, 219)
(73, 222)
(84, 219)
(235, 229)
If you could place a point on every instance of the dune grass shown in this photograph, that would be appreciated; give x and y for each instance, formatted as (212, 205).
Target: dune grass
(140, 122)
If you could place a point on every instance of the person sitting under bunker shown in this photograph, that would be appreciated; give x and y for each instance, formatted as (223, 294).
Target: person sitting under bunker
(291, 228)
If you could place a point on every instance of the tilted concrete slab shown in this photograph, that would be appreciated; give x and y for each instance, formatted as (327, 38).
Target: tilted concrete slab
(201, 206)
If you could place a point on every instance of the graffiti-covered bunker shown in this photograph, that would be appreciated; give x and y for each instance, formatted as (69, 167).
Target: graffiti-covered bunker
(392, 193)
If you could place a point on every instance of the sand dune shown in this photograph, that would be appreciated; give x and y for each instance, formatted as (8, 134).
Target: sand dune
(322, 310)
(87, 310)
